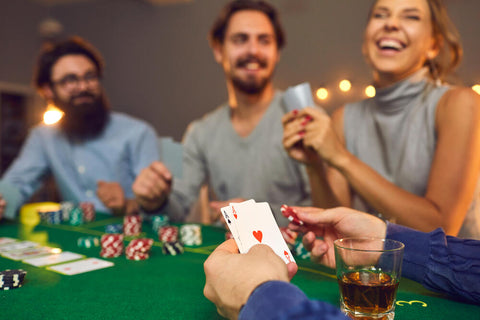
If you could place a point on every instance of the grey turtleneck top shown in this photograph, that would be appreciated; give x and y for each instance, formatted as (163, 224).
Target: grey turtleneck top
(394, 133)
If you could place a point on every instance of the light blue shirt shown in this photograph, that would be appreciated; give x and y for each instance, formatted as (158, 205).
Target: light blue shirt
(125, 147)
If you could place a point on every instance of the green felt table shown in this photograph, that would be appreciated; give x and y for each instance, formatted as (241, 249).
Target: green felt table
(163, 287)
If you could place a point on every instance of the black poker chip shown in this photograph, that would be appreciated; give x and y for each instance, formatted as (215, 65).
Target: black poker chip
(172, 248)
(11, 279)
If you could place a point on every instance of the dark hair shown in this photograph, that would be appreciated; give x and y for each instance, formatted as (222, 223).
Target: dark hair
(52, 51)
(217, 32)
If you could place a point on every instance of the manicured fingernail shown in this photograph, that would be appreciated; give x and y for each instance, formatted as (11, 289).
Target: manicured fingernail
(308, 118)
(301, 133)
(295, 112)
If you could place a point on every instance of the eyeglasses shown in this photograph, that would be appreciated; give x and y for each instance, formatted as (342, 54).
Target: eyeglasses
(72, 81)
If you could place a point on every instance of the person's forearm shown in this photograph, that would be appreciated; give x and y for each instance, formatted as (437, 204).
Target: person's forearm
(390, 200)
(283, 300)
(322, 193)
(440, 263)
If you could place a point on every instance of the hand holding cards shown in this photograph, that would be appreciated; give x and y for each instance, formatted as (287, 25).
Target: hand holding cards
(253, 223)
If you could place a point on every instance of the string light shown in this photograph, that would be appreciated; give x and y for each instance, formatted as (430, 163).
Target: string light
(322, 93)
(52, 115)
(476, 88)
(345, 85)
(370, 91)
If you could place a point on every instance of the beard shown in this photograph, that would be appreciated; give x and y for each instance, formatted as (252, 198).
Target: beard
(251, 85)
(86, 120)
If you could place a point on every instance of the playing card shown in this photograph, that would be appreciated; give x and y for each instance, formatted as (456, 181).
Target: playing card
(230, 219)
(81, 266)
(5, 240)
(29, 253)
(53, 259)
(256, 225)
(17, 245)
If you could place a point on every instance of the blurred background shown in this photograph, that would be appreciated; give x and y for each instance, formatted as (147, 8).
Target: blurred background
(159, 66)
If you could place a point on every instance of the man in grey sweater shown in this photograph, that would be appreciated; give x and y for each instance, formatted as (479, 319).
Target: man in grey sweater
(237, 148)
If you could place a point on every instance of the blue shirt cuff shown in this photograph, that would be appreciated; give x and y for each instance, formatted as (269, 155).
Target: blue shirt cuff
(417, 250)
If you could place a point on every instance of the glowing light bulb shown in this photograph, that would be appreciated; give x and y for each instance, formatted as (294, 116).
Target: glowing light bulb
(370, 91)
(345, 85)
(476, 88)
(52, 115)
(322, 93)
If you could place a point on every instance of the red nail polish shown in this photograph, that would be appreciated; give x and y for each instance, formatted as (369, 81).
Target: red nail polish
(295, 112)
(301, 133)
(308, 117)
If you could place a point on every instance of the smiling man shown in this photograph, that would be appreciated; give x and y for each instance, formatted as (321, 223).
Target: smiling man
(94, 154)
(237, 148)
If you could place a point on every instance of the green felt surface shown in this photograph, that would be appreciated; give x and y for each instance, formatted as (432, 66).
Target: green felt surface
(162, 287)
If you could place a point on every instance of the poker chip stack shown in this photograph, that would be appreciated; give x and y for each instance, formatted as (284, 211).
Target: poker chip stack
(168, 234)
(11, 279)
(112, 245)
(76, 216)
(88, 211)
(172, 248)
(51, 216)
(138, 249)
(191, 234)
(88, 242)
(159, 221)
(66, 207)
(114, 228)
(54, 217)
(132, 225)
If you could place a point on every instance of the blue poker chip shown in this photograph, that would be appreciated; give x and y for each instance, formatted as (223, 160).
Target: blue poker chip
(114, 228)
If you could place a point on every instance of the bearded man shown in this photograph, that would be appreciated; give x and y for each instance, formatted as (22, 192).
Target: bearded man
(93, 153)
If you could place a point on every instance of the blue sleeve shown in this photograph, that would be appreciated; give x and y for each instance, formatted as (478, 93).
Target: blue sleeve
(440, 263)
(283, 300)
(27, 171)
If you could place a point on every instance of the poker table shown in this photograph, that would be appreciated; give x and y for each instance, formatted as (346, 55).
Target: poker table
(163, 287)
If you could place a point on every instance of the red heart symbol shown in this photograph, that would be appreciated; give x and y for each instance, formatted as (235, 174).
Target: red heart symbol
(235, 215)
(258, 235)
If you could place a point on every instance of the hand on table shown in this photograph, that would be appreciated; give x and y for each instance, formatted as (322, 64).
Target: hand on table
(231, 277)
(152, 186)
(333, 224)
(112, 196)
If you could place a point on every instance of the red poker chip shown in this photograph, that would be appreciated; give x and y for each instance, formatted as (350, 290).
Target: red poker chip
(291, 215)
(138, 256)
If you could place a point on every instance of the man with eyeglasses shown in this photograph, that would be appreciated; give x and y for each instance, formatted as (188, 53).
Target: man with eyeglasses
(93, 153)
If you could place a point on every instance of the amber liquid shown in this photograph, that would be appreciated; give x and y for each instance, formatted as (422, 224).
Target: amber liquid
(367, 292)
